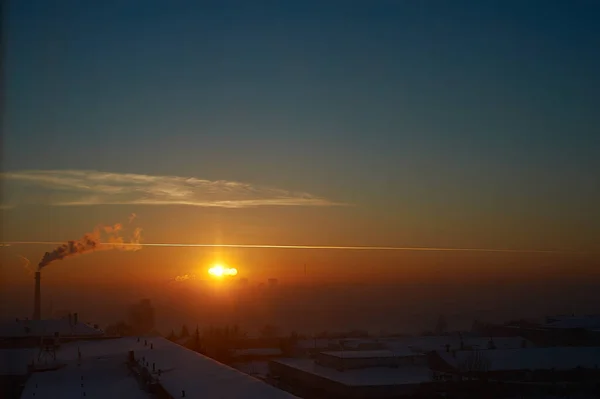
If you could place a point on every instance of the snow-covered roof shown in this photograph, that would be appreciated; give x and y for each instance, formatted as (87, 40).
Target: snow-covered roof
(322, 343)
(586, 322)
(257, 352)
(39, 328)
(419, 344)
(363, 377)
(318, 343)
(558, 358)
(368, 354)
(425, 344)
(105, 377)
(198, 375)
(181, 370)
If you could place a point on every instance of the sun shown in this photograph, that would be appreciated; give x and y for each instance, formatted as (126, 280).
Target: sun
(220, 271)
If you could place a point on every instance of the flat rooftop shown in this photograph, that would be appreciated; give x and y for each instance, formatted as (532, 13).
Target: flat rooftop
(373, 376)
(257, 352)
(369, 354)
(106, 375)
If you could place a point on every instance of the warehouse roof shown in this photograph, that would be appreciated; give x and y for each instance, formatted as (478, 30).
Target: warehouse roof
(181, 370)
(373, 376)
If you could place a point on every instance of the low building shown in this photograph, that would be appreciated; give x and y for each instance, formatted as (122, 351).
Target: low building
(250, 354)
(574, 322)
(105, 368)
(347, 360)
(531, 364)
(27, 333)
(354, 374)
(254, 361)
(415, 344)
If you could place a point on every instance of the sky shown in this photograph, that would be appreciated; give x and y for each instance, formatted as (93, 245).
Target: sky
(461, 124)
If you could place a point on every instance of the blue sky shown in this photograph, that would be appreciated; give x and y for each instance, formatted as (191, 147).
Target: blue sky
(439, 114)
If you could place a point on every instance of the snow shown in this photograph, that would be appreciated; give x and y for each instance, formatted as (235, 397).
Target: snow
(374, 354)
(324, 343)
(181, 370)
(586, 322)
(424, 344)
(558, 358)
(363, 377)
(38, 328)
(319, 343)
(257, 352)
(418, 344)
(198, 375)
(107, 377)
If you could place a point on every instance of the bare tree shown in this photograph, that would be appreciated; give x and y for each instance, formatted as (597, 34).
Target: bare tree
(441, 325)
(475, 363)
(269, 331)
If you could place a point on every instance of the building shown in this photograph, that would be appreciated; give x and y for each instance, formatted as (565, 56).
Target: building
(349, 360)
(21, 333)
(121, 367)
(354, 374)
(529, 364)
(573, 322)
(416, 344)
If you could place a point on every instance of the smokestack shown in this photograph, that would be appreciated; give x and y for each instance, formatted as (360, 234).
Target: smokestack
(37, 298)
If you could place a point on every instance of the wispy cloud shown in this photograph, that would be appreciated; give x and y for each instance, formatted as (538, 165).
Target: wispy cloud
(86, 187)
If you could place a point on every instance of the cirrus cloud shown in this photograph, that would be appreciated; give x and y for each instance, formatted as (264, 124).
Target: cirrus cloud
(89, 187)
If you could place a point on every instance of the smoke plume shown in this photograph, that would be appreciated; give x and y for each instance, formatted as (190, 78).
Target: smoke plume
(101, 238)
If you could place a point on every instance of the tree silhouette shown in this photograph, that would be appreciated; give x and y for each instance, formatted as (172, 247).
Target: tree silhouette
(441, 325)
(184, 332)
(475, 363)
(119, 328)
(172, 336)
(269, 331)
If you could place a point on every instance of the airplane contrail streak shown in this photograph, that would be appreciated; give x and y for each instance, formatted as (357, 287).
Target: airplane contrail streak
(329, 247)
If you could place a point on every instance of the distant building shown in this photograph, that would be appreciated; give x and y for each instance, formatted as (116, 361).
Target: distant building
(573, 322)
(523, 365)
(21, 333)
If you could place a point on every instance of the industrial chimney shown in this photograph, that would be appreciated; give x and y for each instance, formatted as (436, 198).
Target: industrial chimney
(37, 300)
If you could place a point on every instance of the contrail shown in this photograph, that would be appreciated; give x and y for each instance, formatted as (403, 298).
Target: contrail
(329, 247)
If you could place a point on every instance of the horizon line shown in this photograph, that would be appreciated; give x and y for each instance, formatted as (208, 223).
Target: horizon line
(316, 247)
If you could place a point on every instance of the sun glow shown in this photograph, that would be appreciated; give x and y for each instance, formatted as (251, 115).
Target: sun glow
(220, 271)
